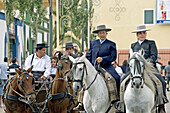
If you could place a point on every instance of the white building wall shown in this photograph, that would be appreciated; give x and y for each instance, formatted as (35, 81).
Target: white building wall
(20, 35)
(2, 39)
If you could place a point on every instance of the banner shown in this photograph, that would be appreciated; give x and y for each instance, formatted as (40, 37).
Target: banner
(163, 12)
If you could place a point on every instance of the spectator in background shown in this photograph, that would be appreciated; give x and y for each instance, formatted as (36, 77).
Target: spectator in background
(69, 48)
(85, 50)
(75, 50)
(167, 74)
(3, 75)
(11, 68)
(123, 67)
(117, 68)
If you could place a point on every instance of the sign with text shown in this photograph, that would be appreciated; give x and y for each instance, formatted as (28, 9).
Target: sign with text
(163, 12)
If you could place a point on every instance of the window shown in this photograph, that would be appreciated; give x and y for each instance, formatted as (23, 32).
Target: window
(148, 16)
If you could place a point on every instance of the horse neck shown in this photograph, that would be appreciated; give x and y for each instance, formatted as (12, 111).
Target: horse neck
(91, 73)
(58, 85)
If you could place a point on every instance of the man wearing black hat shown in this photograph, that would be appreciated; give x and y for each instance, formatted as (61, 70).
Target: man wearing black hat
(40, 61)
(104, 52)
(69, 48)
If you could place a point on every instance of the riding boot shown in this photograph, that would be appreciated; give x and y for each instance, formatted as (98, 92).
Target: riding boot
(161, 109)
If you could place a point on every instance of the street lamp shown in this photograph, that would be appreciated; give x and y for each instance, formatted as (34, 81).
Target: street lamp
(85, 11)
(50, 30)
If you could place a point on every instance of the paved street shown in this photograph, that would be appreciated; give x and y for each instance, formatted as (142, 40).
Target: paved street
(167, 105)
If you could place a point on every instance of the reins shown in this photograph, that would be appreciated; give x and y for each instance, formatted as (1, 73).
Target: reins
(81, 80)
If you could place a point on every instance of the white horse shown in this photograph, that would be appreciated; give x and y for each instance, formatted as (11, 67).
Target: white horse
(96, 97)
(139, 96)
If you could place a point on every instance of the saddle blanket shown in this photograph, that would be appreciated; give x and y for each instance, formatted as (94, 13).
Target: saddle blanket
(111, 85)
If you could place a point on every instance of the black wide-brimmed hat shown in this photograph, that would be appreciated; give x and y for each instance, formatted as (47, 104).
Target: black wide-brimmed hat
(101, 28)
(68, 44)
(41, 45)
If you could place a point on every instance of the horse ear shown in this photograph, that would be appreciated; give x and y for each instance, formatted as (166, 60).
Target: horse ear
(18, 71)
(72, 59)
(83, 57)
(30, 69)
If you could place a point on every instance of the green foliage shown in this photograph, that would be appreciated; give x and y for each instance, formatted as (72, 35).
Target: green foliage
(79, 20)
(33, 7)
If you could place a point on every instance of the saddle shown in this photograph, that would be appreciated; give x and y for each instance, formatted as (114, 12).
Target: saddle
(110, 83)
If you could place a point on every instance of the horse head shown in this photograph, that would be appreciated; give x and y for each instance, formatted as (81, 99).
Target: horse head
(137, 66)
(25, 84)
(64, 66)
(79, 72)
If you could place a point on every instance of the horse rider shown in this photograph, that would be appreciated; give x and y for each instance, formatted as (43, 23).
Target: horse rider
(40, 61)
(104, 52)
(150, 55)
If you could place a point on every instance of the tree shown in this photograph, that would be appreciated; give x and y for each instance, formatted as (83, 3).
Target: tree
(77, 16)
(33, 8)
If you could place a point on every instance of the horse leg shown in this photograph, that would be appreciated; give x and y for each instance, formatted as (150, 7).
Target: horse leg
(87, 103)
(128, 111)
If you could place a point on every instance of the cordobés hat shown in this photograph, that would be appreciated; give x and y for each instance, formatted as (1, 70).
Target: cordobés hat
(141, 28)
(101, 28)
(68, 44)
(41, 45)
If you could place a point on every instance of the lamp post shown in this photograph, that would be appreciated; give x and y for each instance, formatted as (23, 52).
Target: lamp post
(85, 11)
(50, 30)
(82, 40)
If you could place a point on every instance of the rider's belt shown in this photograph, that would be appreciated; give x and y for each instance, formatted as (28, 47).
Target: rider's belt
(39, 72)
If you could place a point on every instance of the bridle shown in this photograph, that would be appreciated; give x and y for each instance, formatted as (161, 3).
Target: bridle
(60, 66)
(84, 67)
(21, 82)
(83, 73)
(138, 69)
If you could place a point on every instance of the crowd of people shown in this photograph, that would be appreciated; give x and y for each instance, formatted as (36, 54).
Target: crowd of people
(102, 51)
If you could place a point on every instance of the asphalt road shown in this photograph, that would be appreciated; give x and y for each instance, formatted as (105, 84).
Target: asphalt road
(167, 105)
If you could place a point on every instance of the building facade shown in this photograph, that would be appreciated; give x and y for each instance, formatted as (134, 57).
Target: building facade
(16, 39)
(122, 16)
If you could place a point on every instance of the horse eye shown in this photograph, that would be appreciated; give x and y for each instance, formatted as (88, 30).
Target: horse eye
(81, 69)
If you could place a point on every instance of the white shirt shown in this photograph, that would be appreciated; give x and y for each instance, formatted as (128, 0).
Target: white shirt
(53, 70)
(119, 70)
(140, 42)
(39, 64)
(3, 67)
(101, 41)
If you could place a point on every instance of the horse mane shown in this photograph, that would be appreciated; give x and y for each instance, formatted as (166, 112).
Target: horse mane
(149, 72)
